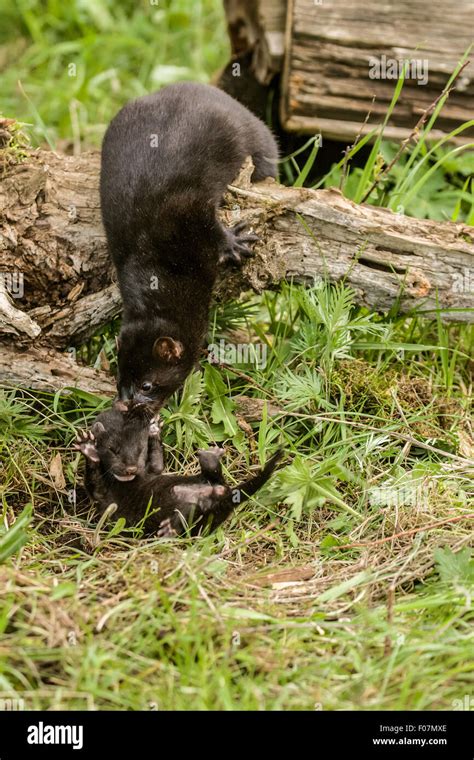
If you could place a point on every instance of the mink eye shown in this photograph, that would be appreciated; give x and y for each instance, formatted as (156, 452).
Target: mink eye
(146, 387)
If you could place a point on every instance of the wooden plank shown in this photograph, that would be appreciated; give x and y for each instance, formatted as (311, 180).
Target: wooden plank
(341, 55)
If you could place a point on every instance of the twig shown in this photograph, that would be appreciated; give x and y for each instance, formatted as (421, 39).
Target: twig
(414, 133)
(393, 433)
(405, 532)
(345, 165)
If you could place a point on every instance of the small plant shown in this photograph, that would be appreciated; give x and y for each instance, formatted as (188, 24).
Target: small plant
(347, 583)
(12, 539)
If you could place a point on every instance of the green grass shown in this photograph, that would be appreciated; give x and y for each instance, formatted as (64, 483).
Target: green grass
(269, 612)
(432, 180)
(347, 582)
(75, 64)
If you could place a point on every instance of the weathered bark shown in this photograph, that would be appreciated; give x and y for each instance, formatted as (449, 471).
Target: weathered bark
(46, 369)
(329, 51)
(51, 232)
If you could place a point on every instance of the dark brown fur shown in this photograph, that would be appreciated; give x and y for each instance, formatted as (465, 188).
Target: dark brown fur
(174, 503)
(167, 159)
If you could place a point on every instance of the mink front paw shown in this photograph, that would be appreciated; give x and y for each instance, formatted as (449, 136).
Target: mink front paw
(156, 426)
(237, 244)
(85, 443)
(155, 463)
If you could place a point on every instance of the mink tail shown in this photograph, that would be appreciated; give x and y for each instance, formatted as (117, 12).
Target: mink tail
(242, 492)
(252, 485)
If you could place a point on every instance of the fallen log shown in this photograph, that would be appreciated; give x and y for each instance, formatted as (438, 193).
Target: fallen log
(46, 369)
(54, 260)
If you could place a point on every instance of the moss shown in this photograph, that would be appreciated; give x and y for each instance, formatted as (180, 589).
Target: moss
(363, 389)
(14, 143)
(393, 396)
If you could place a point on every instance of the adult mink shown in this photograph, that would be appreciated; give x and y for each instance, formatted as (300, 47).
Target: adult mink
(167, 159)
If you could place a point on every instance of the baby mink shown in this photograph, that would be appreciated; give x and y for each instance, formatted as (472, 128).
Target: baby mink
(167, 159)
(122, 444)
(175, 503)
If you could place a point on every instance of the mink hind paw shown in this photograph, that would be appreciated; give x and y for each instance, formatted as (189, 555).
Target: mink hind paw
(237, 244)
(166, 529)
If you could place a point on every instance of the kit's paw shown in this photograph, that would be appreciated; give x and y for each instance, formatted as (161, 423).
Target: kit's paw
(85, 443)
(166, 529)
(156, 426)
(210, 459)
(198, 498)
(212, 454)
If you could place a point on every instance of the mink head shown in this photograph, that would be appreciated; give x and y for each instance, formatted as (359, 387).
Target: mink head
(151, 367)
(118, 439)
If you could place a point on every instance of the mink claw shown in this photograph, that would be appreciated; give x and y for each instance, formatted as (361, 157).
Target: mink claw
(242, 248)
(81, 436)
(238, 244)
(166, 530)
(239, 227)
(249, 237)
(156, 426)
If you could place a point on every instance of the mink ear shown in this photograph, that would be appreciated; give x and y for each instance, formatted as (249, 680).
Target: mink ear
(97, 428)
(168, 349)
